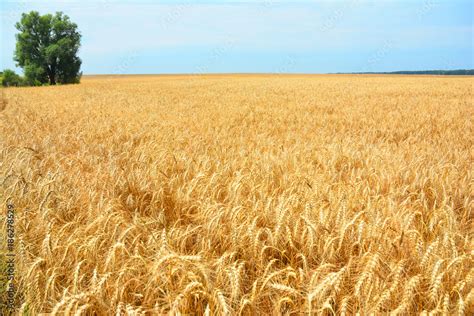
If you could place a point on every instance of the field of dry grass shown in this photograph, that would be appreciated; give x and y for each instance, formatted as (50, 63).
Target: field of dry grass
(241, 195)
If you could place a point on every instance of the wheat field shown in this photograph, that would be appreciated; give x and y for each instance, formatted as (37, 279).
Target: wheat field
(241, 194)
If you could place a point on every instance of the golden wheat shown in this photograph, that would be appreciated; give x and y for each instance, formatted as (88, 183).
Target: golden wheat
(240, 194)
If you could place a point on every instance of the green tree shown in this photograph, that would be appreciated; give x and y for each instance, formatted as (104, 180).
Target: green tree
(47, 47)
(11, 79)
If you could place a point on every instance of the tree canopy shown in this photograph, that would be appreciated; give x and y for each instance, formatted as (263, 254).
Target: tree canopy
(47, 47)
(10, 78)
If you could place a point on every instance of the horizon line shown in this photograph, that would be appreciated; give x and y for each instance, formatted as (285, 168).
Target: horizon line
(396, 72)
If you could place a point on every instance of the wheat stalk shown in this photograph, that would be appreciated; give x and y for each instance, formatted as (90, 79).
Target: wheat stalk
(240, 194)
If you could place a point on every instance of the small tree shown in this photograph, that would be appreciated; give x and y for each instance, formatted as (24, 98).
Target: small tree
(11, 79)
(47, 47)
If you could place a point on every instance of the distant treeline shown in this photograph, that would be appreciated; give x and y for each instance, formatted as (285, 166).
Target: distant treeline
(458, 72)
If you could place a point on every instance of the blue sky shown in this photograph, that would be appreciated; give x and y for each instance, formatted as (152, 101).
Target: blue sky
(260, 36)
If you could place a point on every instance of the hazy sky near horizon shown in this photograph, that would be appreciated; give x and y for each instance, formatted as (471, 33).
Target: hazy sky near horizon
(260, 36)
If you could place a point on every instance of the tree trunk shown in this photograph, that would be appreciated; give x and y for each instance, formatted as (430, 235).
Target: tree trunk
(52, 80)
(52, 75)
